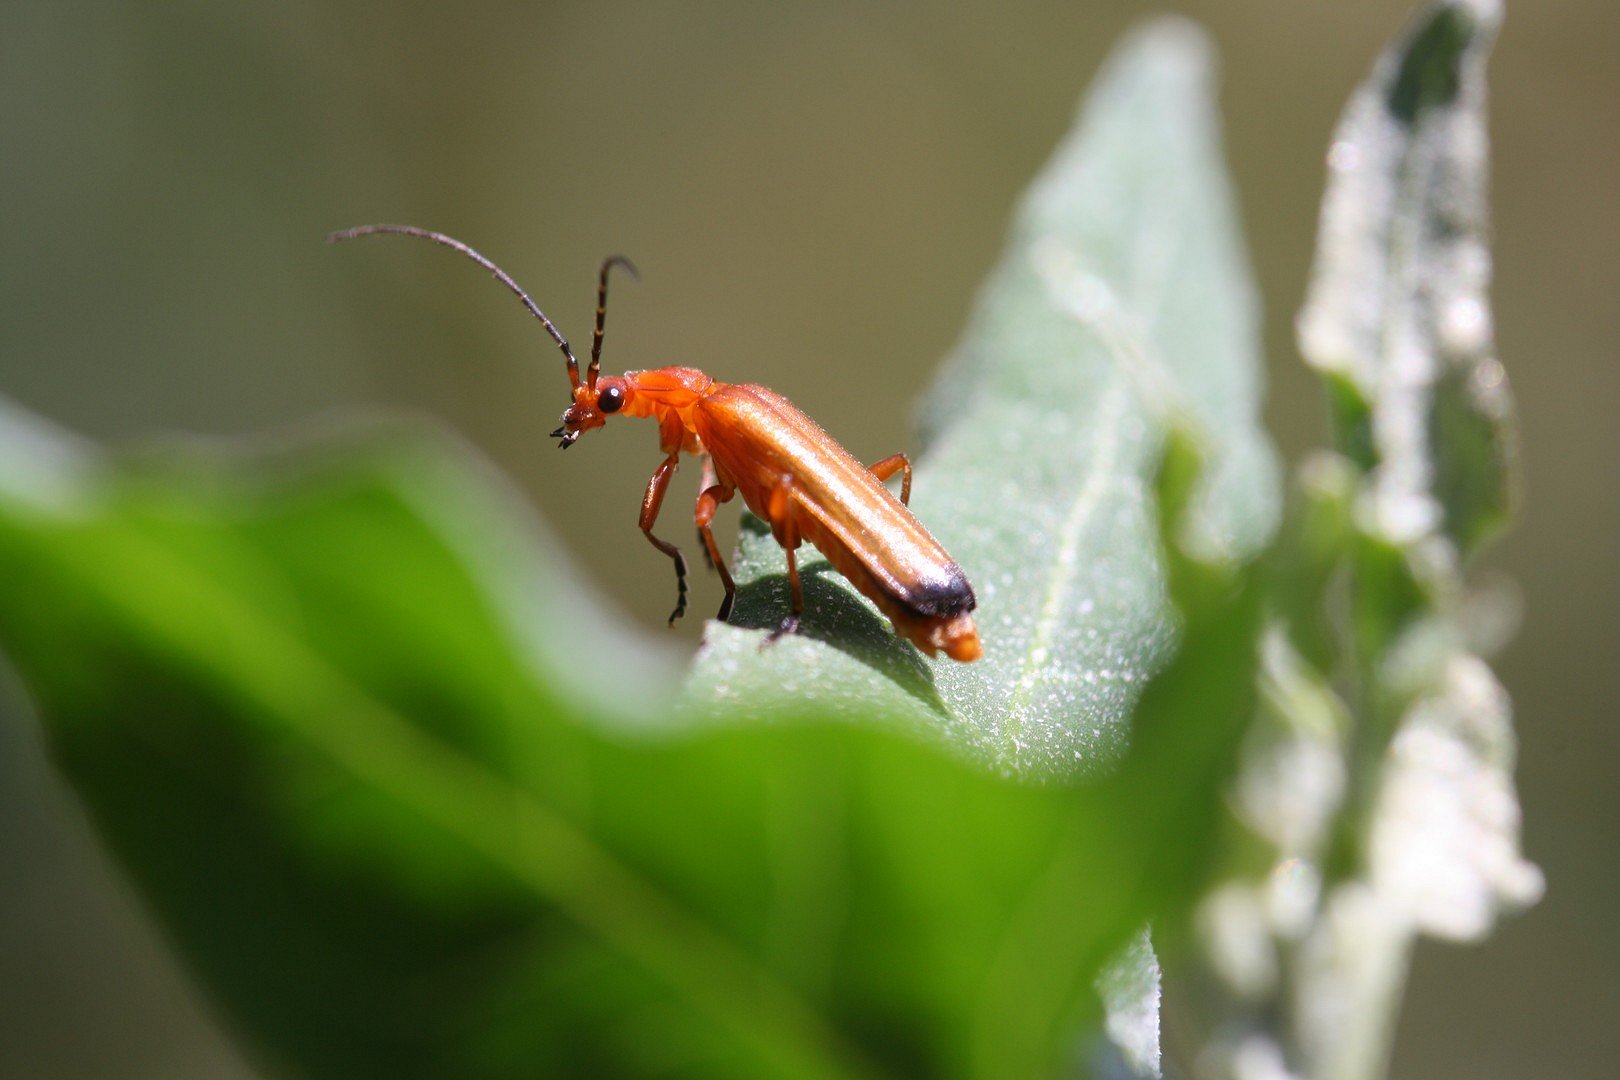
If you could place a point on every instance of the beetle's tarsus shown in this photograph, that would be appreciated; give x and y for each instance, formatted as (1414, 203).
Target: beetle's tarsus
(790, 625)
(680, 587)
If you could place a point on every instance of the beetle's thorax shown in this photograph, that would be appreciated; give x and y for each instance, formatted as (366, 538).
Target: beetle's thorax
(670, 395)
(661, 389)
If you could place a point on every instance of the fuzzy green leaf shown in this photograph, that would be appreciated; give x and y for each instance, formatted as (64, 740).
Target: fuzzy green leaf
(1377, 782)
(1122, 304)
(1399, 316)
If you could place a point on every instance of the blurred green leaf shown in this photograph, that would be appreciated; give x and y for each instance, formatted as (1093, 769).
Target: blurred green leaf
(1122, 304)
(1398, 317)
(1131, 990)
(1377, 784)
(371, 814)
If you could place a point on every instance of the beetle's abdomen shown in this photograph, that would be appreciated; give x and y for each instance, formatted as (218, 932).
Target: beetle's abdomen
(756, 437)
(934, 615)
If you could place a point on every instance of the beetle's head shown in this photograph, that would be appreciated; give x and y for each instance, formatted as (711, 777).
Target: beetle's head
(591, 408)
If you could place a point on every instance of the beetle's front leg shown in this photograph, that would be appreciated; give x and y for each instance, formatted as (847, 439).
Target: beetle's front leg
(650, 504)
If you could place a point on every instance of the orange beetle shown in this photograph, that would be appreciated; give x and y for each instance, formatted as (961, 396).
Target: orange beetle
(791, 474)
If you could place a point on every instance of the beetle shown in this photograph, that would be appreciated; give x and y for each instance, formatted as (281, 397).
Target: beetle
(790, 473)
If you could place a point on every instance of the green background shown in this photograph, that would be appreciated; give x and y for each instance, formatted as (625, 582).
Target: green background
(813, 193)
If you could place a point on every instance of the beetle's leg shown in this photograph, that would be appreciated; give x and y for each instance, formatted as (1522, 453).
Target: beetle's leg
(889, 466)
(705, 482)
(790, 625)
(713, 495)
(649, 514)
(786, 530)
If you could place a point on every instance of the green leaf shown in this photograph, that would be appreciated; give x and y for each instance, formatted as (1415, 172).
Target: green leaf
(398, 834)
(1398, 317)
(1131, 989)
(1377, 783)
(1122, 304)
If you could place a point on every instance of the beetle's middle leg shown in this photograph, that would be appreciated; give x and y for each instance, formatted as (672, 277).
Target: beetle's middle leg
(786, 531)
(708, 479)
(888, 467)
(649, 515)
(714, 493)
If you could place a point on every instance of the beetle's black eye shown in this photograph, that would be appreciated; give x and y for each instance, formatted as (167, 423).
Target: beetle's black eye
(610, 399)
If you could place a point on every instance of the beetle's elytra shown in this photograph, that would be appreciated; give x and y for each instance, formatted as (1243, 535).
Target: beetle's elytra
(790, 473)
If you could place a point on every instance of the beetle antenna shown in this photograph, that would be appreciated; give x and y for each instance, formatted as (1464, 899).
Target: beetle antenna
(500, 275)
(601, 313)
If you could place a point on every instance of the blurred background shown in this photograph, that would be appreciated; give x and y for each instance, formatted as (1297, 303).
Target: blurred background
(812, 193)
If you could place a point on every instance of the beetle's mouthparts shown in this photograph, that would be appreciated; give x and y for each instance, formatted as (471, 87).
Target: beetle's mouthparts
(564, 437)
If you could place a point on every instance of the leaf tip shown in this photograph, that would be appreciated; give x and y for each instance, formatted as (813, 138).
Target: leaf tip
(1171, 42)
(1430, 61)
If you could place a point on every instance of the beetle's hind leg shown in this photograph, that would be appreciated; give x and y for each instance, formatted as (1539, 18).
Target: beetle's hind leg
(786, 531)
(713, 495)
(789, 625)
(888, 467)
